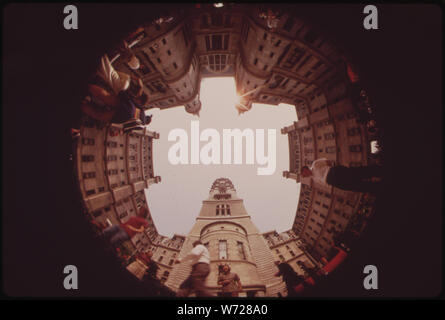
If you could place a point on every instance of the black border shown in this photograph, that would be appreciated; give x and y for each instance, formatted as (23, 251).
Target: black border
(49, 170)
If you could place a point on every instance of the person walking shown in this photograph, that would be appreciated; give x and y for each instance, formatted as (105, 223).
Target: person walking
(290, 277)
(359, 179)
(200, 259)
(117, 234)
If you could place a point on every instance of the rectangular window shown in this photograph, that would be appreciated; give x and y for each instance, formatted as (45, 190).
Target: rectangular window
(217, 42)
(89, 175)
(87, 158)
(159, 86)
(329, 136)
(353, 131)
(88, 141)
(226, 42)
(223, 249)
(241, 250)
(355, 148)
(90, 192)
(293, 58)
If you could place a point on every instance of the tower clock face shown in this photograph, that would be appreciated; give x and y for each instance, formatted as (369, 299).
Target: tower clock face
(288, 62)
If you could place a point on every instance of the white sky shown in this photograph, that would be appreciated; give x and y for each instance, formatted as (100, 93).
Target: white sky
(175, 202)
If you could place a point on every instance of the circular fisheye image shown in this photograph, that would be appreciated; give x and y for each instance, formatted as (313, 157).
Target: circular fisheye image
(228, 150)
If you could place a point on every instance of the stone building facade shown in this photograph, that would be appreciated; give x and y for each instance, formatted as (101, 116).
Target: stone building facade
(293, 64)
(224, 226)
(288, 247)
(328, 127)
(113, 169)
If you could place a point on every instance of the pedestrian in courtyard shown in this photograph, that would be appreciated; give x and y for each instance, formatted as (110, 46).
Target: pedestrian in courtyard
(359, 179)
(117, 234)
(200, 259)
(230, 282)
(290, 277)
(115, 95)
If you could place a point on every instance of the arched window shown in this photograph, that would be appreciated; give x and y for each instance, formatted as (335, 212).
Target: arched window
(217, 209)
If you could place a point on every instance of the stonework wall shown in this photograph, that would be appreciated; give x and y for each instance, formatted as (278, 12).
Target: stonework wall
(113, 169)
(293, 64)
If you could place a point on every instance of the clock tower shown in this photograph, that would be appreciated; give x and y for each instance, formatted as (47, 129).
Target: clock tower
(225, 228)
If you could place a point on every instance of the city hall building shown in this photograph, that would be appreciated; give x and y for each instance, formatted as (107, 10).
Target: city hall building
(226, 229)
(291, 64)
